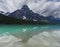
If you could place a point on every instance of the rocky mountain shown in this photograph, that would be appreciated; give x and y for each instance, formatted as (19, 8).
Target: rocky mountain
(26, 14)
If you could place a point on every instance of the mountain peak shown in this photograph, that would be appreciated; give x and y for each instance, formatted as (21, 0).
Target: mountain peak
(25, 7)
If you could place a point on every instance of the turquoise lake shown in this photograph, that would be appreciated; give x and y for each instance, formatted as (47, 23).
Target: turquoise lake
(33, 35)
(12, 28)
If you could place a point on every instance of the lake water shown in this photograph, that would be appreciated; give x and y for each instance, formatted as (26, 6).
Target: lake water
(29, 35)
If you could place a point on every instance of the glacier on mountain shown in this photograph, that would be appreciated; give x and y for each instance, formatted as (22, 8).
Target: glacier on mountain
(42, 7)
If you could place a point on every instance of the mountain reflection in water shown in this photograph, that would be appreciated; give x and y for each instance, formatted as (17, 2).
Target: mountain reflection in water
(32, 36)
